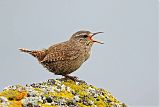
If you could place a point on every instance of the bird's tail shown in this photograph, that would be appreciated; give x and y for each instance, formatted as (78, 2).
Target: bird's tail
(39, 54)
(25, 50)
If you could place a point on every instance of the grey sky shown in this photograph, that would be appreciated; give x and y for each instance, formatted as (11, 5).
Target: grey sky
(126, 65)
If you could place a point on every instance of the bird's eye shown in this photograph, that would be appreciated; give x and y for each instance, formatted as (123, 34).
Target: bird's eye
(85, 36)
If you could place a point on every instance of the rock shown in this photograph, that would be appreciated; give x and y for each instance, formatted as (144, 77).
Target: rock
(57, 93)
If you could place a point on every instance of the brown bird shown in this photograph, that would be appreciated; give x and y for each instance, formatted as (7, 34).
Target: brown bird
(66, 57)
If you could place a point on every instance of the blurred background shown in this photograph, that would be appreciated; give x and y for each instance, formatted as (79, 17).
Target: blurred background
(126, 65)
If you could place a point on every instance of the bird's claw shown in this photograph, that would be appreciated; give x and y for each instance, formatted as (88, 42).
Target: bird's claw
(74, 78)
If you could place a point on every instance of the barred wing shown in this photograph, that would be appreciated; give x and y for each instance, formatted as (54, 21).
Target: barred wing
(61, 55)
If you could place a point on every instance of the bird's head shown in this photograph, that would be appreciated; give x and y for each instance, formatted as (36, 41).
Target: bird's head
(85, 37)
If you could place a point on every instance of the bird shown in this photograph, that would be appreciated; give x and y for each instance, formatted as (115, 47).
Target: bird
(66, 57)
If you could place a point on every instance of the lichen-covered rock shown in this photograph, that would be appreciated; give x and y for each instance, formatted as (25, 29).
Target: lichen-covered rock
(57, 93)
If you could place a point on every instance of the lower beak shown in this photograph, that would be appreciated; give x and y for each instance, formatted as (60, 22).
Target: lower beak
(93, 34)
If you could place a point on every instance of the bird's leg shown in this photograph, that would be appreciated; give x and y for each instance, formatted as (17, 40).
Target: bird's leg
(74, 78)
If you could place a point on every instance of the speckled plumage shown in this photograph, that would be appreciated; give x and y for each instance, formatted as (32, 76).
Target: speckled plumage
(66, 57)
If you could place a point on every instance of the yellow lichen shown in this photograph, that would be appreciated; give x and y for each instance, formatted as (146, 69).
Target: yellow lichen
(38, 89)
(100, 103)
(82, 105)
(73, 85)
(13, 94)
(44, 105)
(80, 89)
(15, 104)
(63, 94)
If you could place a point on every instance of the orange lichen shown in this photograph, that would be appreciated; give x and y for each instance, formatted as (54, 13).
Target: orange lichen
(21, 95)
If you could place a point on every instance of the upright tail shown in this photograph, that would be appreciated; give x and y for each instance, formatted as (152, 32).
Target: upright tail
(39, 54)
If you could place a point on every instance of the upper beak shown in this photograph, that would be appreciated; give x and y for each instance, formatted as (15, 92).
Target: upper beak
(93, 34)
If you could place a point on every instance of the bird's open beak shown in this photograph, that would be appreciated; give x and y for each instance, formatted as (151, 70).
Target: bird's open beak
(91, 37)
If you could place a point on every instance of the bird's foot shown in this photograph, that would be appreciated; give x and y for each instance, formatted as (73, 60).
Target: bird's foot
(74, 78)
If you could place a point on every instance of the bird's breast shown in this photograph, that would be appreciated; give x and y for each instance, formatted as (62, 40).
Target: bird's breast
(87, 52)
